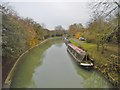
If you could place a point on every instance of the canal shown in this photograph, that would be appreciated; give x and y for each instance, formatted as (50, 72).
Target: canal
(50, 66)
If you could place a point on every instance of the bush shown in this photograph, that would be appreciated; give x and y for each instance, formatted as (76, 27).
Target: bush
(90, 39)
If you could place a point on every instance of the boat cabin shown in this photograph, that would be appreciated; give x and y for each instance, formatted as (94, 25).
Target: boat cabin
(80, 55)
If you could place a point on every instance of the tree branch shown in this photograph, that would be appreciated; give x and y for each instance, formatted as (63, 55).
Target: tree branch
(110, 11)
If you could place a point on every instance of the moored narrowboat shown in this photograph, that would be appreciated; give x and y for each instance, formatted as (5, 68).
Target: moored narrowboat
(80, 56)
(66, 40)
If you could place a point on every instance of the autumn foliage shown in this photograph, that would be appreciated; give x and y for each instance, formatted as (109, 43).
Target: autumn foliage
(18, 35)
(77, 35)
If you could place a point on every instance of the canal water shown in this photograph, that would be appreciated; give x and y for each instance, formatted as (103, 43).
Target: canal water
(50, 66)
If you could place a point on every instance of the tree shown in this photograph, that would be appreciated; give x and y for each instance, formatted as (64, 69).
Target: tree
(107, 10)
(18, 35)
(106, 7)
(75, 28)
(59, 30)
(59, 27)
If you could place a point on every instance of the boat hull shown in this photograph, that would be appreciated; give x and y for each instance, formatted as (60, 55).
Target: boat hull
(80, 61)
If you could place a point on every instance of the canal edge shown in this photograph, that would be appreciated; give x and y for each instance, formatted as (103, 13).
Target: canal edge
(8, 80)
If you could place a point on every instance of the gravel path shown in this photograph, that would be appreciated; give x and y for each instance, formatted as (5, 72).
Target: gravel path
(78, 41)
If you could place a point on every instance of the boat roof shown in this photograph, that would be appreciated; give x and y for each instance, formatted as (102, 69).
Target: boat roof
(76, 48)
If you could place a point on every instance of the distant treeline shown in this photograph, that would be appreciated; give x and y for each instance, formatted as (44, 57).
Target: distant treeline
(98, 30)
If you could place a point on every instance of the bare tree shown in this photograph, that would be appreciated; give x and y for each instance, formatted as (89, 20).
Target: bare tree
(5, 8)
(106, 9)
(59, 27)
(59, 30)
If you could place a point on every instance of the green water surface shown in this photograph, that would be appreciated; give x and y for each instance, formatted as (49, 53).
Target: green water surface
(50, 66)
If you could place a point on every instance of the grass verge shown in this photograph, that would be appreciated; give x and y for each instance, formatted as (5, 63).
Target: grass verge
(103, 62)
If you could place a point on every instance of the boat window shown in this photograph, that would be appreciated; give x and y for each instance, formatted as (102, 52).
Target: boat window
(69, 48)
(86, 58)
(80, 56)
(73, 51)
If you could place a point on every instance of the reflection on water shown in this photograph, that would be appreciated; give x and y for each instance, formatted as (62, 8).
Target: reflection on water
(29, 62)
(57, 70)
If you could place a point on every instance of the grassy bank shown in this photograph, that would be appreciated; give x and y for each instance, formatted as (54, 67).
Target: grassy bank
(104, 63)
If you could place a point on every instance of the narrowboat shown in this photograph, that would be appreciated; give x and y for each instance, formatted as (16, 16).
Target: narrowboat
(80, 56)
(67, 41)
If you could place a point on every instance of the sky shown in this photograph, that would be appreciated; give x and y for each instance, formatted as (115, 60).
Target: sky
(53, 13)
